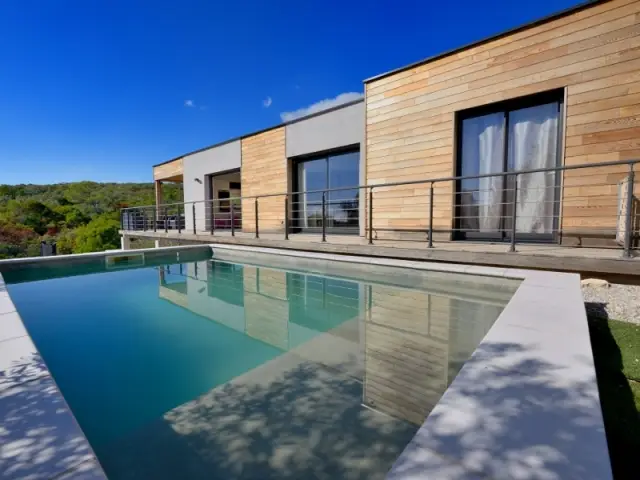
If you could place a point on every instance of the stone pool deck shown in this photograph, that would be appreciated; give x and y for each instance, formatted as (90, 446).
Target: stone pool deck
(39, 437)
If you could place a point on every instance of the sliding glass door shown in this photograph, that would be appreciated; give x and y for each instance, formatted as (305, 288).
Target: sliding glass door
(509, 140)
(337, 171)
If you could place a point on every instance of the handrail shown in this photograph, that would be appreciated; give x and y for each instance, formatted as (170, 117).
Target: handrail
(560, 168)
(231, 217)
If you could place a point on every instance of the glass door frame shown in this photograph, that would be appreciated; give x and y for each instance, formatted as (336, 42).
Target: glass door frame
(297, 197)
(504, 230)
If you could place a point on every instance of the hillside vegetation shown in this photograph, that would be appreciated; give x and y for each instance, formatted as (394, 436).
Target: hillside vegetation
(80, 217)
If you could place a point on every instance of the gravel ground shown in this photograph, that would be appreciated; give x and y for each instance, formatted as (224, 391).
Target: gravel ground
(617, 302)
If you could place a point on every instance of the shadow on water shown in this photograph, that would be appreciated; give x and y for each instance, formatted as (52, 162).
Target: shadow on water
(289, 419)
(621, 417)
(38, 436)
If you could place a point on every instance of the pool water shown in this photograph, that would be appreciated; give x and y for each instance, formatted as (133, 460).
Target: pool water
(213, 369)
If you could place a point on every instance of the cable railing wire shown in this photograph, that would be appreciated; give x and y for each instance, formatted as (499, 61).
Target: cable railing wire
(319, 212)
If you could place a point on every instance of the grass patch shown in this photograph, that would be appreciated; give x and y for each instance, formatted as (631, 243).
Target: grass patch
(616, 350)
(627, 337)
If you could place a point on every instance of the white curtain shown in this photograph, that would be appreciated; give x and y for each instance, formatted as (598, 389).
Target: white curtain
(533, 143)
(482, 152)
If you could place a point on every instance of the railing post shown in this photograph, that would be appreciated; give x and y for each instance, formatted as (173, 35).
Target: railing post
(155, 219)
(233, 226)
(193, 216)
(431, 216)
(213, 216)
(121, 219)
(512, 248)
(628, 224)
(286, 217)
(179, 220)
(324, 217)
(166, 221)
(257, 233)
(371, 216)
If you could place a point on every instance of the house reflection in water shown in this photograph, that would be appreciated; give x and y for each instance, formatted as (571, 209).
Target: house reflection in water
(403, 345)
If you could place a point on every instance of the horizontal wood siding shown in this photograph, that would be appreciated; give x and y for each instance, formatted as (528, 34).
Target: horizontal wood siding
(168, 171)
(594, 54)
(264, 171)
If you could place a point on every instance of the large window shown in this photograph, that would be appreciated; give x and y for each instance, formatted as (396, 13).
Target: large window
(516, 136)
(328, 172)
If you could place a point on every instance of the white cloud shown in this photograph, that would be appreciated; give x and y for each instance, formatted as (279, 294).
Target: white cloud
(321, 105)
(189, 103)
(266, 103)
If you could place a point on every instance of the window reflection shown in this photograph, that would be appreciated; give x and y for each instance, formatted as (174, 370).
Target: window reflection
(331, 172)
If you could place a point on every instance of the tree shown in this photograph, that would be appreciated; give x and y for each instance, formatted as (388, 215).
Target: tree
(33, 214)
(66, 241)
(17, 241)
(73, 216)
(80, 217)
(101, 233)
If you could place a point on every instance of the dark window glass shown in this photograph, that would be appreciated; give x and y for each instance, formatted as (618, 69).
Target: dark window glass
(334, 171)
(224, 203)
(344, 171)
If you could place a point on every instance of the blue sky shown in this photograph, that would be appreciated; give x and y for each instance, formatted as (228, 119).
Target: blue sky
(102, 90)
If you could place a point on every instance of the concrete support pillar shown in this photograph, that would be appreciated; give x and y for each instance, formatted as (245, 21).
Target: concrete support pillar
(125, 242)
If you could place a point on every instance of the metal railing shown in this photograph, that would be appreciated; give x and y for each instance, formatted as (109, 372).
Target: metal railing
(585, 204)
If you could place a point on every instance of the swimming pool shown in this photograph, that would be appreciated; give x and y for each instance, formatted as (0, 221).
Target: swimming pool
(224, 369)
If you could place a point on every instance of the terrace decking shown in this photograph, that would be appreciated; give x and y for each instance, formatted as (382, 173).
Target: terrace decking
(607, 262)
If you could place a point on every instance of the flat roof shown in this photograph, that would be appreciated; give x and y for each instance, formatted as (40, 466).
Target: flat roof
(273, 127)
(540, 21)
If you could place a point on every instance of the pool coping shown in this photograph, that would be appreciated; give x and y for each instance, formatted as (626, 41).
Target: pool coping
(526, 404)
(79, 257)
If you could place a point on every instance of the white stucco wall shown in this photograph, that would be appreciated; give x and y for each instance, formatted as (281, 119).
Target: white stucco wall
(337, 128)
(196, 167)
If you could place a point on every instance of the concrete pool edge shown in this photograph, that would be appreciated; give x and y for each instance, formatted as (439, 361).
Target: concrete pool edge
(77, 258)
(24, 375)
(526, 404)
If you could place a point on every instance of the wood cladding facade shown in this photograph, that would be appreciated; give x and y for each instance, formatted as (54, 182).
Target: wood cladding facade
(171, 171)
(264, 171)
(592, 54)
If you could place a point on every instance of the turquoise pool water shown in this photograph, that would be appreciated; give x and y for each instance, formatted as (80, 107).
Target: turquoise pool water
(212, 369)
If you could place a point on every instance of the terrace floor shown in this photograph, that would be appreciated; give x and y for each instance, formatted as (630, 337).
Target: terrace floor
(605, 262)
